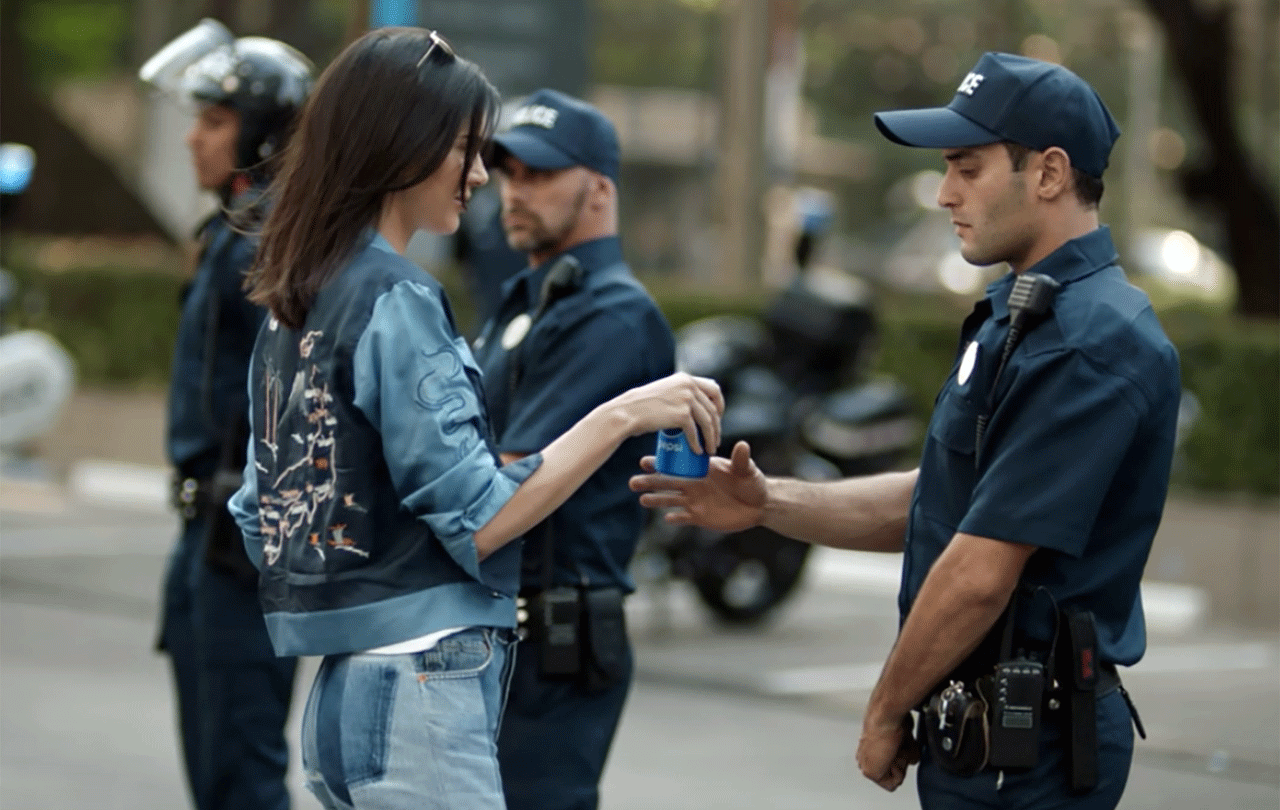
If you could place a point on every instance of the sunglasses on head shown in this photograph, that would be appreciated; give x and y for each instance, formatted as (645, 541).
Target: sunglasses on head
(438, 45)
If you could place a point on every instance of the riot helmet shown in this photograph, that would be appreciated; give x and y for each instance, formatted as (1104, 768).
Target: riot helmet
(264, 80)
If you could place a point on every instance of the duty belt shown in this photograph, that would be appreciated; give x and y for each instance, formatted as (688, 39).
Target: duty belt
(191, 496)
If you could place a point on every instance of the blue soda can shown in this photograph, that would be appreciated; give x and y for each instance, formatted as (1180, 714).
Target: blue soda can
(675, 457)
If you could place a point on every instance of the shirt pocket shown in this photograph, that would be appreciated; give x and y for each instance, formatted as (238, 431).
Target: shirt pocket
(947, 474)
(955, 421)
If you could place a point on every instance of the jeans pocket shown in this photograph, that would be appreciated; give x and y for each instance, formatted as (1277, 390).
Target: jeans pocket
(466, 654)
(352, 723)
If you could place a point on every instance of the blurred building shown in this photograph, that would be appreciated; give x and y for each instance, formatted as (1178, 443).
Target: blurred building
(670, 143)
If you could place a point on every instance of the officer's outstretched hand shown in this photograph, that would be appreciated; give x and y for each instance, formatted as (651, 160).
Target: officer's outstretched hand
(730, 498)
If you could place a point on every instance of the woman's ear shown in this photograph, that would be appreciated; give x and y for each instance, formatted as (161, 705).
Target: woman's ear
(1055, 173)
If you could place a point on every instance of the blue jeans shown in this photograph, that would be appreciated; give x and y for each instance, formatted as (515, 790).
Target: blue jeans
(1044, 787)
(418, 730)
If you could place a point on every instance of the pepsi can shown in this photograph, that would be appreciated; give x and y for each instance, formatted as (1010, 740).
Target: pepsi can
(675, 457)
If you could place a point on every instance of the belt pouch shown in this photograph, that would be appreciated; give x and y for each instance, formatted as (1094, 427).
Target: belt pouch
(1081, 686)
(955, 728)
(558, 618)
(606, 633)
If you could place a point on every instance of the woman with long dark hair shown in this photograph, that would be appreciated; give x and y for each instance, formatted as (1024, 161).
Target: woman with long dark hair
(374, 498)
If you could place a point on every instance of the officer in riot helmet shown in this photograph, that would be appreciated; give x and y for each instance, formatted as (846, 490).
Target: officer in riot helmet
(233, 693)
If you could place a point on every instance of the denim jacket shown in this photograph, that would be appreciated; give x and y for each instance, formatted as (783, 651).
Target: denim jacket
(371, 466)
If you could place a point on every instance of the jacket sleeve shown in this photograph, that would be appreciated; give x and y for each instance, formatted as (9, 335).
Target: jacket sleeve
(417, 383)
(243, 506)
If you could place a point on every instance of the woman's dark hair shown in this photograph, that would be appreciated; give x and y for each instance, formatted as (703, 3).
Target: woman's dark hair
(1088, 190)
(382, 118)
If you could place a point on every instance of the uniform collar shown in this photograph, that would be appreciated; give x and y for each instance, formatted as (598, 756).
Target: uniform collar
(1072, 261)
(593, 254)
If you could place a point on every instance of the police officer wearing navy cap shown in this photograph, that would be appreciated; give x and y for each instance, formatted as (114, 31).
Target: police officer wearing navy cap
(1042, 481)
(233, 693)
(573, 329)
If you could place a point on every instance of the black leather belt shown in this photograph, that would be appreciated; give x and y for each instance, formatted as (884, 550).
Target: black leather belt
(1108, 679)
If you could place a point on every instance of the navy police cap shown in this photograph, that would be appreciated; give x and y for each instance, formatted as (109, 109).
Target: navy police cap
(1013, 98)
(551, 130)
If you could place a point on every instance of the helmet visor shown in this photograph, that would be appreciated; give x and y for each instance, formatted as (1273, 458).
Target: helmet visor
(165, 70)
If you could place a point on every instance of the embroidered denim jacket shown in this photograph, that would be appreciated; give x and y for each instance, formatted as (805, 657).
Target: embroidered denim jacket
(371, 466)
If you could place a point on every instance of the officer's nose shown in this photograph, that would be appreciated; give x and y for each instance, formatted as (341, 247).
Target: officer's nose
(508, 190)
(946, 192)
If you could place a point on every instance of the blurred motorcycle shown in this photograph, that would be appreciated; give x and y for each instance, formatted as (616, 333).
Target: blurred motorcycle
(37, 375)
(797, 388)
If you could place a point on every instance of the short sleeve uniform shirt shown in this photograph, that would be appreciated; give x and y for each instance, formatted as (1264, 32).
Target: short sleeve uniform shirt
(1076, 456)
(601, 338)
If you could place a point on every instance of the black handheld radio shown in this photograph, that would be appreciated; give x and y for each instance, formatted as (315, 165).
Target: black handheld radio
(1029, 301)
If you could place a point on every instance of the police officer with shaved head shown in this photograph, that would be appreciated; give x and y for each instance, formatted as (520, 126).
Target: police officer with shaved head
(573, 329)
(1027, 525)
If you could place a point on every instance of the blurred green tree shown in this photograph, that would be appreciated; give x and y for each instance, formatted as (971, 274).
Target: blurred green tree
(1228, 180)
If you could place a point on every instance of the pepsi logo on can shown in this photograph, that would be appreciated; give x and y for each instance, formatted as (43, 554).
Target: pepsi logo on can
(675, 457)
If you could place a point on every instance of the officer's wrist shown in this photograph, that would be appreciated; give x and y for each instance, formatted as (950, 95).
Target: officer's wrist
(882, 718)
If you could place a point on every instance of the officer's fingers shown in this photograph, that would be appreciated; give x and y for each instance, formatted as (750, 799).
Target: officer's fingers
(655, 482)
(741, 459)
(678, 517)
(648, 464)
(892, 780)
(662, 500)
(911, 753)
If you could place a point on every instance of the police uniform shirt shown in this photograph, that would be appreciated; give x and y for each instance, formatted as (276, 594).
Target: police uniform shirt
(604, 337)
(211, 354)
(1076, 457)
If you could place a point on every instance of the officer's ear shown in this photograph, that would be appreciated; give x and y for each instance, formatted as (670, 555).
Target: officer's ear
(603, 191)
(1054, 175)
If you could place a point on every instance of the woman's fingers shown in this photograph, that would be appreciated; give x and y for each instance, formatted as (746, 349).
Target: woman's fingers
(712, 390)
(711, 424)
(706, 427)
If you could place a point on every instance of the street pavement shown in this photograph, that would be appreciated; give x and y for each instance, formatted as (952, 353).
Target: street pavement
(753, 719)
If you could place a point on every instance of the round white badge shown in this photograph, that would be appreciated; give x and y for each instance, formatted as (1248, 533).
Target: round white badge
(967, 363)
(516, 330)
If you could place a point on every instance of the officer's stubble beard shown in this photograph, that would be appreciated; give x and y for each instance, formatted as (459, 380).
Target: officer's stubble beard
(540, 239)
(1002, 235)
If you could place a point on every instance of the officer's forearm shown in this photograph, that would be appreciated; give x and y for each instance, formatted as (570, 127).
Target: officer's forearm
(960, 600)
(865, 514)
